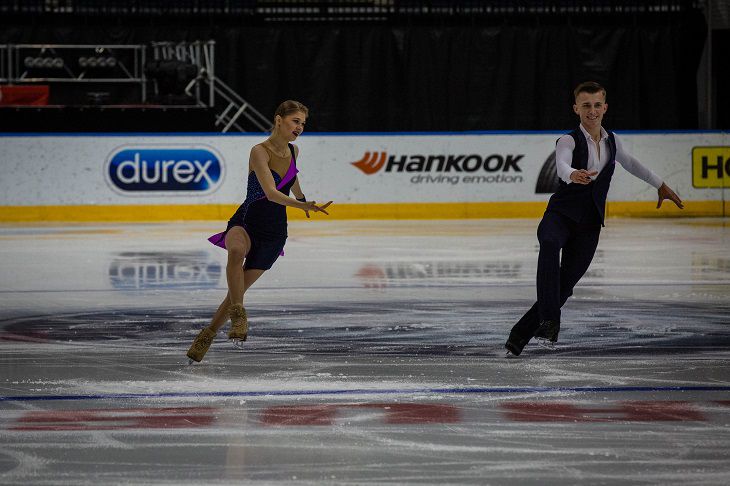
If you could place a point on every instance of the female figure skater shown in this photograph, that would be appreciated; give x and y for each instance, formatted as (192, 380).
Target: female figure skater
(256, 233)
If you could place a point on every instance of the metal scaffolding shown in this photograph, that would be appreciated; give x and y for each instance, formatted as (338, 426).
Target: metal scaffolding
(74, 63)
(129, 64)
(206, 88)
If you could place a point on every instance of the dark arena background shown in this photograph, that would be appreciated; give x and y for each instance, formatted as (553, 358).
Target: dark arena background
(392, 65)
(376, 347)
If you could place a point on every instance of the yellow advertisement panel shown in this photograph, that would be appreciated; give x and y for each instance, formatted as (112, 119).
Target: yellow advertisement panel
(710, 167)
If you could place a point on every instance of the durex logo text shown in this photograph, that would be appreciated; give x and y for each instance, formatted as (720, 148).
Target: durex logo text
(164, 169)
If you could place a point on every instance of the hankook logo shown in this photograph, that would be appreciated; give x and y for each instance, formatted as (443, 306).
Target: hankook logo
(372, 162)
(445, 168)
(548, 181)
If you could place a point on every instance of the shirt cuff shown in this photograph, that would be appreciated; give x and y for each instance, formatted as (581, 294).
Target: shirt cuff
(655, 181)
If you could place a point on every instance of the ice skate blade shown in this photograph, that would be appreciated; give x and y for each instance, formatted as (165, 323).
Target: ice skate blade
(545, 343)
(511, 355)
(190, 361)
(238, 343)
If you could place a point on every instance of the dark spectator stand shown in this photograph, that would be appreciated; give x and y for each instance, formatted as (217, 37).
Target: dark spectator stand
(106, 118)
(32, 109)
(366, 66)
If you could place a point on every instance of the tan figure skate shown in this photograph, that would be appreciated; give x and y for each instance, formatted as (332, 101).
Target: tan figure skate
(201, 345)
(239, 324)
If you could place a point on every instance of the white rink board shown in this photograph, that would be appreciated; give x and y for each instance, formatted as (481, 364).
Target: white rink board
(74, 169)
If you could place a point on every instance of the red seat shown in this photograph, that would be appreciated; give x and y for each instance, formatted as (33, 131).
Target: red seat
(24, 95)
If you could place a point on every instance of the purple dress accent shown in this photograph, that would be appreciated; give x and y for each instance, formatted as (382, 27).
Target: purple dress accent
(219, 239)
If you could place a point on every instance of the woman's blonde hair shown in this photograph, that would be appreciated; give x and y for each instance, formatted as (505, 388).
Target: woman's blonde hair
(287, 108)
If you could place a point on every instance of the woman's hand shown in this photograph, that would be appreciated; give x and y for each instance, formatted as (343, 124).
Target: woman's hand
(312, 206)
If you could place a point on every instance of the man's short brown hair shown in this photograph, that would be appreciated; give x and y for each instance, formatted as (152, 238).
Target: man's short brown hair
(590, 87)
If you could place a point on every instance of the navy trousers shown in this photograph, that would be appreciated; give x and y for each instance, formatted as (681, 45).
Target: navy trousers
(556, 275)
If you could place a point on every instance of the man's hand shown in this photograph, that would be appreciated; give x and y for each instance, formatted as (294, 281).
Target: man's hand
(665, 192)
(582, 176)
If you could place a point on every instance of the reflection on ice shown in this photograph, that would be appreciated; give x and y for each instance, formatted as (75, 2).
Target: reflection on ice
(389, 274)
(153, 270)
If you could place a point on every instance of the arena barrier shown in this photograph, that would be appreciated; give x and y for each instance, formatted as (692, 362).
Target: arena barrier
(153, 177)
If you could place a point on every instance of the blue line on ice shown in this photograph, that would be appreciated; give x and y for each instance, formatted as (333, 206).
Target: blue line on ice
(374, 391)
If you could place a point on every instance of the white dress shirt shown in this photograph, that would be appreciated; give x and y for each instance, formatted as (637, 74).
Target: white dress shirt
(564, 157)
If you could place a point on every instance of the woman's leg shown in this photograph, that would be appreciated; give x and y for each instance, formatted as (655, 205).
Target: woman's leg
(238, 244)
(221, 315)
(250, 276)
(239, 324)
(239, 319)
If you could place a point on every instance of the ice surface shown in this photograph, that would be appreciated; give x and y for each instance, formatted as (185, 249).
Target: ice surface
(374, 356)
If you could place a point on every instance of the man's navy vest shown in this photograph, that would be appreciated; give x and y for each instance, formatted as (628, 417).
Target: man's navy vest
(577, 201)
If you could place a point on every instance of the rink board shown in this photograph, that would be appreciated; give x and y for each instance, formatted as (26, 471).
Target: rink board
(151, 177)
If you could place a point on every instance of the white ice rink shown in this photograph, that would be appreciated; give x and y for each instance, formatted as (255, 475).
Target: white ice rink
(375, 356)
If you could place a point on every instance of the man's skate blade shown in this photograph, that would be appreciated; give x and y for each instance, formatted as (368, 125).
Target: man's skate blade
(511, 355)
(545, 343)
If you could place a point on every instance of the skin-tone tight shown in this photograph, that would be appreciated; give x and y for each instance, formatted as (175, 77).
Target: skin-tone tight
(239, 280)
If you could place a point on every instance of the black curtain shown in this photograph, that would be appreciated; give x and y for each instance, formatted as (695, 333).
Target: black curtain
(385, 77)
(721, 75)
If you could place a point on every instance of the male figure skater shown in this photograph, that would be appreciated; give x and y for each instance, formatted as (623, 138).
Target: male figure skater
(585, 161)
